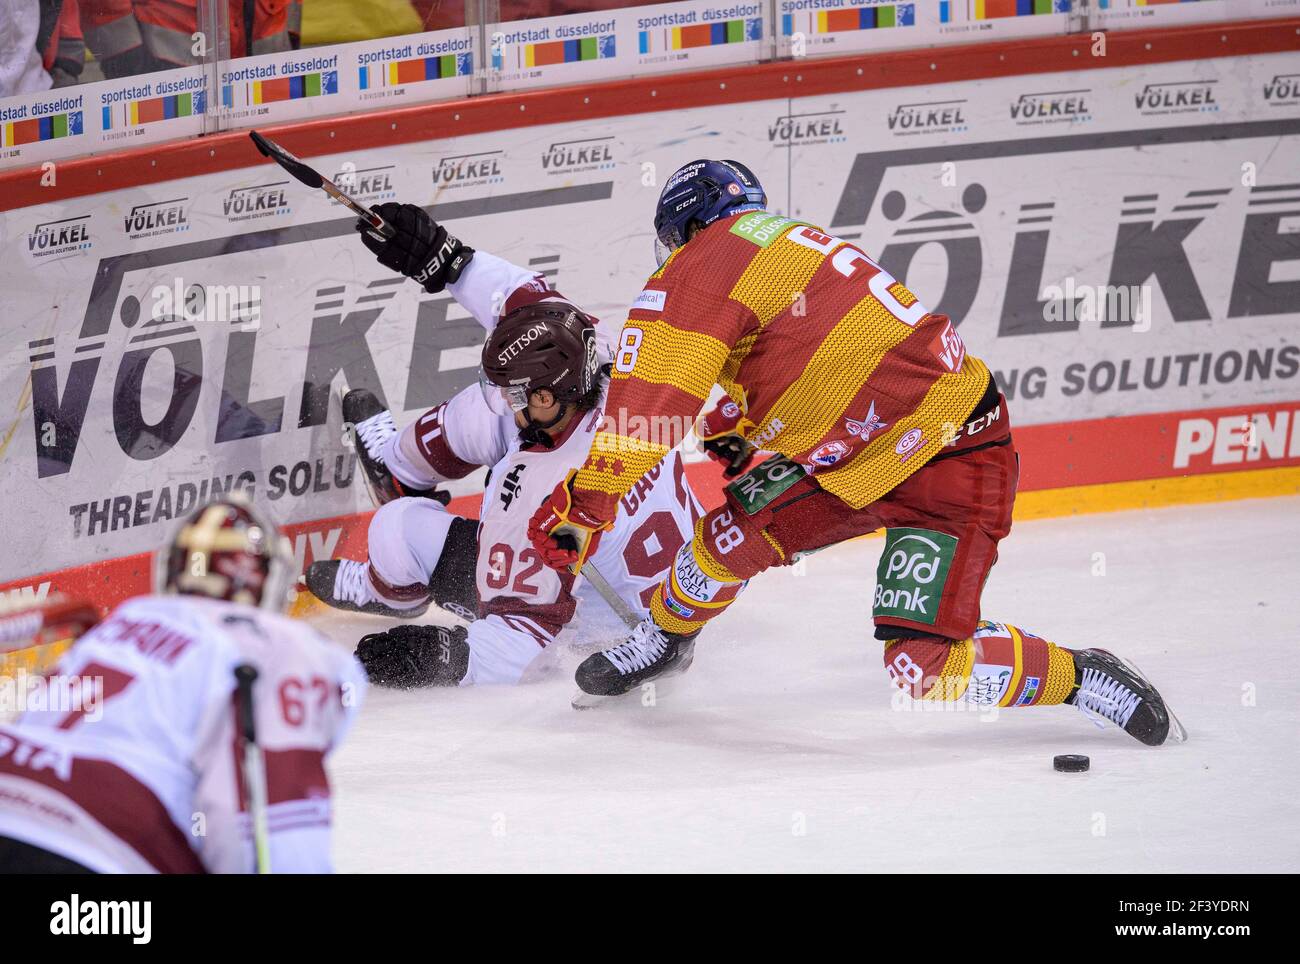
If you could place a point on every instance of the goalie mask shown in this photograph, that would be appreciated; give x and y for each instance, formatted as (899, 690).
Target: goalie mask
(545, 345)
(228, 550)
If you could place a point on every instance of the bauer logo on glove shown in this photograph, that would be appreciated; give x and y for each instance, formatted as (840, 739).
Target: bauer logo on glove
(420, 248)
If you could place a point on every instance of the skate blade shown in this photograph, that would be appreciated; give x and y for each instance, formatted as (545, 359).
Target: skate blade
(1177, 732)
(589, 701)
(663, 686)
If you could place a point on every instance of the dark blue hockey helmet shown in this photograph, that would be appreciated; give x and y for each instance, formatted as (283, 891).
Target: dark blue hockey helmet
(700, 193)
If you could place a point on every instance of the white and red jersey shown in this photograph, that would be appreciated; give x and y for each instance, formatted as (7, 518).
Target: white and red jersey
(523, 602)
(132, 766)
(518, 592)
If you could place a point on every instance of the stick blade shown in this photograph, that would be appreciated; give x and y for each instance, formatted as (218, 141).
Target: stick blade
(275, 152)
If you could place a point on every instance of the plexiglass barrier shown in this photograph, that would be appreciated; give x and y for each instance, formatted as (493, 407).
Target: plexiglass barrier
(87, 76)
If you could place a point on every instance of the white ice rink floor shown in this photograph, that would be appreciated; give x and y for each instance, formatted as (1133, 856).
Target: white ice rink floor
(783, 748)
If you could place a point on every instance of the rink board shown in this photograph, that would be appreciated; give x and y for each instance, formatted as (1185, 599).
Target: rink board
(597, 46)
(174, 333)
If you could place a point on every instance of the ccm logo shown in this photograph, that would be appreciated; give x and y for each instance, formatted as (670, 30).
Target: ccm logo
(1238, 438)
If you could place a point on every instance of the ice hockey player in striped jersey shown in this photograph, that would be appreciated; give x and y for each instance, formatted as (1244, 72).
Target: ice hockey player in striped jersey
(880, 418)
(131, 756)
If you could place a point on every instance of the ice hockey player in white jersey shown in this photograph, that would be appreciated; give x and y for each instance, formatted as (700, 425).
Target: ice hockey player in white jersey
(134, 762)
(531, 420)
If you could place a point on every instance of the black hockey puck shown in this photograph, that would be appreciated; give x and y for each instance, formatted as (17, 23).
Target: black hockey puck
(1070, 763)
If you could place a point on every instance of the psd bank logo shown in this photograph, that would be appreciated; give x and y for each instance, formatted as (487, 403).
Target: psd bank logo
(912, 572)
(62, 237)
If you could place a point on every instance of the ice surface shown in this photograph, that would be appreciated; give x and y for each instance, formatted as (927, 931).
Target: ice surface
(783, 748)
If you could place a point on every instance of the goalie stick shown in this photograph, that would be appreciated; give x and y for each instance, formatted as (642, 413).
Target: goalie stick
(308, 175)
(252, 766)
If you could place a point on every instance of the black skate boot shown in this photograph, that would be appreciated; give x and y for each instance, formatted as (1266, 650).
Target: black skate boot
(373, 426)
(648, 653)
(1108, 689)
(344, 584)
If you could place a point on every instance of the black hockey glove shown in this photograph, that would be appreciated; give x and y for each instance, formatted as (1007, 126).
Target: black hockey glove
(720, 432)
(421, 249)
(732, 452)
(409, 656)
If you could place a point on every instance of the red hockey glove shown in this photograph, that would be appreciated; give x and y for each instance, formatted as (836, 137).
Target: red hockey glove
(562, 534)
(719, 431)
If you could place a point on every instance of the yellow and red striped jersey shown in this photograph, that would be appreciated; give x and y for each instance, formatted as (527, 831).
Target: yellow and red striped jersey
(835, 363)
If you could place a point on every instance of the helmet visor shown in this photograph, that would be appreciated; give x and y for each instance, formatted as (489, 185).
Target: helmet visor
(502, 399)
(662, 252)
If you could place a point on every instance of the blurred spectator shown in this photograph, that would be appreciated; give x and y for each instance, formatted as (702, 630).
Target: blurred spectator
(342, 21)
(44, 42)
(21, 71)
(138, 36)
(62, 47)
(440, 14)
(512, 10)
(345, 21)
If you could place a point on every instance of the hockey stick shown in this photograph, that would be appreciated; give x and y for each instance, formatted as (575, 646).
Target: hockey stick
(607, 593)
(381, 229)
(253, 765)
(565, 539)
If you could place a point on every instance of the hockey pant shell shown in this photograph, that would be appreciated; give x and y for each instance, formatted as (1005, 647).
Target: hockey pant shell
(966, 498)
(420, 552)
(943, 525)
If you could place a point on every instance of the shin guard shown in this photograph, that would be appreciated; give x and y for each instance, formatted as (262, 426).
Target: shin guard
(696, 589)
(1000, 665)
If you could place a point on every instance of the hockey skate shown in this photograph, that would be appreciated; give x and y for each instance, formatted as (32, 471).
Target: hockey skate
(373, 426)
(1108, 689)
(649, 653)
(345, 584)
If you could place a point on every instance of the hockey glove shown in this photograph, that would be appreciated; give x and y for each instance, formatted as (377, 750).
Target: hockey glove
(562, 534)
(408, 656)
(719, 432)
(421, 249)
